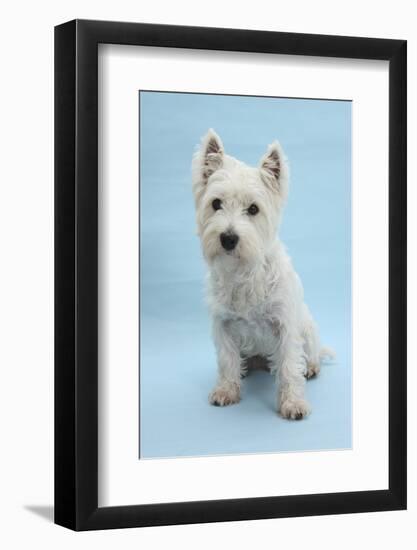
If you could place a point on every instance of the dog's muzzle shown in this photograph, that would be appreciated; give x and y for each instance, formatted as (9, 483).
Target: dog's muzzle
(229, 241)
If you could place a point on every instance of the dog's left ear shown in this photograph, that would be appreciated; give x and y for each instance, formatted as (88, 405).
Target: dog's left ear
(274, 169)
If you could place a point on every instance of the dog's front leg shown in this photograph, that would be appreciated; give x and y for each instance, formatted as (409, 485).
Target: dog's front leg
(290, 365)
(227, 390)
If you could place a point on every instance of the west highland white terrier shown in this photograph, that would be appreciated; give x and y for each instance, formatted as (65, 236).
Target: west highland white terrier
(255, 295)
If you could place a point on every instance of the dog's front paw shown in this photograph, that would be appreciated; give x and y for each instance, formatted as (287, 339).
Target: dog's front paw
(225, 395)
(294, 409)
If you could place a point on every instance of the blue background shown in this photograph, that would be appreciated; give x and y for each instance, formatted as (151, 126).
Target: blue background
(177, 357)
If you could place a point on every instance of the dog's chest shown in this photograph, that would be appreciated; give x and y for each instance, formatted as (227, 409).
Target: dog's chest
(242, 298)
(250, 317)
(254, 336)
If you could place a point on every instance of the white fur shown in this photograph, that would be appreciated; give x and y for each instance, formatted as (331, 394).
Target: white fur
(255, 295)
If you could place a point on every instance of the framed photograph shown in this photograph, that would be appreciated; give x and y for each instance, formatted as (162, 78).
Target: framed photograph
(230, 284)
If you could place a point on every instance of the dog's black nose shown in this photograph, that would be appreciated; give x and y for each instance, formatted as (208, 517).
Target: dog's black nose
(229, 240)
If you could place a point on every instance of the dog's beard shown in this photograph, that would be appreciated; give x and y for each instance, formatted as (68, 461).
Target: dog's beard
(250, 249)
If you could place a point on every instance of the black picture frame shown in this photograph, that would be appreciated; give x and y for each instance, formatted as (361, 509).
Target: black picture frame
(76, 272)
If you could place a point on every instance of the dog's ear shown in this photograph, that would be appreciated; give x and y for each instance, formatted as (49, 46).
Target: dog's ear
(274, 169)
(207, 159)
(211, 154)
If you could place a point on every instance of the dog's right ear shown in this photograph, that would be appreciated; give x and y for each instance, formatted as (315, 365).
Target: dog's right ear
(210, 156)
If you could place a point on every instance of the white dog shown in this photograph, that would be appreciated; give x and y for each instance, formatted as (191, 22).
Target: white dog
(255, 295)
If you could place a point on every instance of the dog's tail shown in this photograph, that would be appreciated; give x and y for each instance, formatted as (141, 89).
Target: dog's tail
(327, 354)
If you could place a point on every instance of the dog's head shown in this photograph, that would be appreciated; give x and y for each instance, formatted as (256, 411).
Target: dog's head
(238, 206)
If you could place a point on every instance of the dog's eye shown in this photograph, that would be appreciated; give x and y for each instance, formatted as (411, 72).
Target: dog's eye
(216, 204)
(253, 210)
